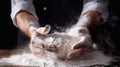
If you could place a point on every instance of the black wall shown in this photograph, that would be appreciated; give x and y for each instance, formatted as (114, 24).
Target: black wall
(8, 33)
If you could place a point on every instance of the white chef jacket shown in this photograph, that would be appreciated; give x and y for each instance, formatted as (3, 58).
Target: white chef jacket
(27, 5)
(18, 5)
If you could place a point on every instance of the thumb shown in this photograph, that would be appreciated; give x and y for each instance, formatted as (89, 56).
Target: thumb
(84, 42)
(80, 44)
(44, 30)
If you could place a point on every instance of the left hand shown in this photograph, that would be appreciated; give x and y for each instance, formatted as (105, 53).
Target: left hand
(84, 42)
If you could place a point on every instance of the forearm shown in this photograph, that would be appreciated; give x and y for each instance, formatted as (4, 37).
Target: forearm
(89, 19)
(93, 12)
(22, 14)
(26, 22)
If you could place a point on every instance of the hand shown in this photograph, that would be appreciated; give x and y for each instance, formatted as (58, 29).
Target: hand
(37, 44)
(83, 43)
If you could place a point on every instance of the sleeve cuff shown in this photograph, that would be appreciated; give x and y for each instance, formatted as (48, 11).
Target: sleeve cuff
(95, 6)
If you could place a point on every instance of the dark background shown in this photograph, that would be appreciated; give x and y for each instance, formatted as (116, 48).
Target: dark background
(8, 32)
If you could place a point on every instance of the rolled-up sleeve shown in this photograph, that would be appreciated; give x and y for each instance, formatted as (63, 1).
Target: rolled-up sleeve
(21, 5)
(97, 5)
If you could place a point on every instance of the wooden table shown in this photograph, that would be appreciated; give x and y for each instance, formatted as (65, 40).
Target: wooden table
(9, 52)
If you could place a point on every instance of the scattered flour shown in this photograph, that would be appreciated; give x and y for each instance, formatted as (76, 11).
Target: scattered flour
(63, 42)
(27, 59)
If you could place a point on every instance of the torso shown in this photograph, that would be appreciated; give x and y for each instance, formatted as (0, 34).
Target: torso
(61, 13)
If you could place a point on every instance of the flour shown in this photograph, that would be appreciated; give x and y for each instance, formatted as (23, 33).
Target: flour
(27, 59)
(62, 41)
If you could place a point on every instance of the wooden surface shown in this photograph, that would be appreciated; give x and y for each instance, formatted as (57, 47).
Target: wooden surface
(8, 52)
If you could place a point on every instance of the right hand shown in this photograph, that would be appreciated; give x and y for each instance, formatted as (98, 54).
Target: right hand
(37, 45)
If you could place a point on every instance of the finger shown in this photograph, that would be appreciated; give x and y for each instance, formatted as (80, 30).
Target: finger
(47, 29)
(73, 55)
(52, 48)
(37, 36)
(80, 43)
(84, 42)
(83, 31)
(39, 52)
(40, 46)
(35, 49)
(44, 30)
(83, 45)
(39, 43)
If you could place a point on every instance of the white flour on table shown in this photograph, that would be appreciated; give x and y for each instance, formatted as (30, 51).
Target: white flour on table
(27, 59)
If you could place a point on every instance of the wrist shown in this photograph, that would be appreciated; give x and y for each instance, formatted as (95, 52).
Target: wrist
(78, 31)
(90, 19)
(26, 22)
(33, 26)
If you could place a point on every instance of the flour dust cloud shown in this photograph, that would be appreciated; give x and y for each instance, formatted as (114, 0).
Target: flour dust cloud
(28, 59)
